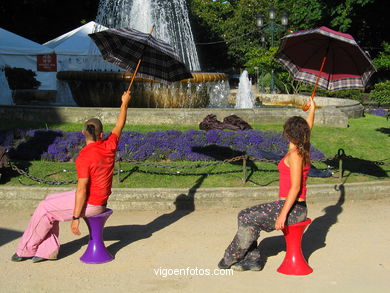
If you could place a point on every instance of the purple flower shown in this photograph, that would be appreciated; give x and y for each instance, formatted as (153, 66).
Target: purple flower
(378, 112)
(191, 145)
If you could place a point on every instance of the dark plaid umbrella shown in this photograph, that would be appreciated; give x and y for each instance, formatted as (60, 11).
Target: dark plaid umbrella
(324, 57)
(135, 51)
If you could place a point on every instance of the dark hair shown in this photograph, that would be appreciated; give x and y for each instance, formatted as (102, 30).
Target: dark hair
(298, 131)
(92, 128)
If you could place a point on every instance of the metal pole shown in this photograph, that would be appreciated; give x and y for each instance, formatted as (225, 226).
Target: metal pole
(244, 169)
(262, 81)
(272, 44)
(341, 155)
(119, 172)
(257, 77)
(340, 169)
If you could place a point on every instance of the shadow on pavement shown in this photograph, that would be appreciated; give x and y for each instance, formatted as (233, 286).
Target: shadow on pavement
(8, 235)
(315, 236)
(127, 234)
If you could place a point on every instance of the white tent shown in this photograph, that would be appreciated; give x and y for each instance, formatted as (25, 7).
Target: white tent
(5, 92)
(76, 51)
(16, 51)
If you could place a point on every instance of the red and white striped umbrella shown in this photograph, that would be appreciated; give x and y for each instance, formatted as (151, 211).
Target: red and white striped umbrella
(327, 58)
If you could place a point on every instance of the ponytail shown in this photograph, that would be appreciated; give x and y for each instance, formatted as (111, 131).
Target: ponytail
(91, 130)
(304, 152)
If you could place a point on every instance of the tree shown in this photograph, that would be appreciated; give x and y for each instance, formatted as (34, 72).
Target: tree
(382, 62)
(230, 21)
(234, 22)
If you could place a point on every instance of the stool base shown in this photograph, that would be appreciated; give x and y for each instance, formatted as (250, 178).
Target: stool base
(294, 262)
(96, 252)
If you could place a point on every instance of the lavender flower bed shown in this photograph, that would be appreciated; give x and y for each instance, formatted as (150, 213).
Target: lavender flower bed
(381, 112)
(192, 145)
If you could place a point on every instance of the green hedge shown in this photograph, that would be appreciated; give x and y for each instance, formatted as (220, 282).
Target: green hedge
(381, 93)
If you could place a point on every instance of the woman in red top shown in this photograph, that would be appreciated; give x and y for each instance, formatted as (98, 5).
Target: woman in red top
(94, 166)
(242, 253)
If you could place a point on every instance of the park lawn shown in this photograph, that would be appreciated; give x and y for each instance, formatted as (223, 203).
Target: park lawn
(139, 176)
(366, 138)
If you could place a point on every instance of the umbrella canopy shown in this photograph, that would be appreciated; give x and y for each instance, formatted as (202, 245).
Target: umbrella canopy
(139, 52)
(322, 56)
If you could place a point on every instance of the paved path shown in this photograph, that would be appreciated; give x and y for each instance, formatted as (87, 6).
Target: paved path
(347, 245)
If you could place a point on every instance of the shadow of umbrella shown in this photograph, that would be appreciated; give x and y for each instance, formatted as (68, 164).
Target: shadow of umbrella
(27, 150)
(221, 153)
(356, 165)
(384, 130)
(127, 234)
(315, 236)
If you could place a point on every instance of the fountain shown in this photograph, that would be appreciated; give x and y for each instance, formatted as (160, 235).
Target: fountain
(98, 88)
(244, 97)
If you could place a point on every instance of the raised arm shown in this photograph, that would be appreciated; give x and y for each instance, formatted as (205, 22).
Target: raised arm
(121, 120)
(310, 117)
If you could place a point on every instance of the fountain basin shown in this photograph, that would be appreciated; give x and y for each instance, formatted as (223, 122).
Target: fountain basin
(104, 89)
(352, 108)
(326, 116)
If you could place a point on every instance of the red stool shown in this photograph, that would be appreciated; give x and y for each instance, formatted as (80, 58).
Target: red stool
(294, 263)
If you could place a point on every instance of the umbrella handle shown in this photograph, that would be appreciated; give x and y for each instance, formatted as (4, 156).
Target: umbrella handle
(133, 77)
(136, 69)
(306, 106)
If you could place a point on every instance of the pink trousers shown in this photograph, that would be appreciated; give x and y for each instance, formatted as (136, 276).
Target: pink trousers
(41, 236)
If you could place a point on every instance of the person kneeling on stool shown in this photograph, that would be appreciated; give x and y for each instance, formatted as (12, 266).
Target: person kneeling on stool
(95, 168)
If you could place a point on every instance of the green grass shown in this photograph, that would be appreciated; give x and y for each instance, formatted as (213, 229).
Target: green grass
(366, 138)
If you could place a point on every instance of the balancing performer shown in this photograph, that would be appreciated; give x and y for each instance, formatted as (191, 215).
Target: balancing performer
(242, 253)
(95, 168)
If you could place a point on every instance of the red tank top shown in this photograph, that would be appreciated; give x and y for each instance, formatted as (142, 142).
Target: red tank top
(285, 180)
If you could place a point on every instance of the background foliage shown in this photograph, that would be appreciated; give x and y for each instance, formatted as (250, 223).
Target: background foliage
(225, 31)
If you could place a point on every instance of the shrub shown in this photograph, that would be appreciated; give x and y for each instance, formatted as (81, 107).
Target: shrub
(353, 94)
(20, 78)
(381, 93)
(348, 94)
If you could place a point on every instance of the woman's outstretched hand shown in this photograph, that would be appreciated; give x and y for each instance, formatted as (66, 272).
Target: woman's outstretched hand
(309, 105)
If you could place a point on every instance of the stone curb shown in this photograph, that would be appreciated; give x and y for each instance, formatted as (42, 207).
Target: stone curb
(22, 198)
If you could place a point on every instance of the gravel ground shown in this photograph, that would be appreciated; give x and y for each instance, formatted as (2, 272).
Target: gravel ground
(347, 245)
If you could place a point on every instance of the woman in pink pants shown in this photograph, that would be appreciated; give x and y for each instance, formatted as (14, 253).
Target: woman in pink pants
(95, 168)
